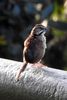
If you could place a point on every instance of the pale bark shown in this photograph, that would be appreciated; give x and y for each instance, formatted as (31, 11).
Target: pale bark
(36, 83)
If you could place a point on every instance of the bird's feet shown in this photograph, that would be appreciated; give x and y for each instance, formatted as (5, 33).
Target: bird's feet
(38, 65)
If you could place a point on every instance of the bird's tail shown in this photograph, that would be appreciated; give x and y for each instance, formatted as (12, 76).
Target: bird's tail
(21, 70)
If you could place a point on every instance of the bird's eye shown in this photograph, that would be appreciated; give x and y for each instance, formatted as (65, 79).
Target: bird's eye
(41, 28)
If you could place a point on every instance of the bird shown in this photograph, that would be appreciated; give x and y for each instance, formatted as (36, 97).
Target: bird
(34, 47)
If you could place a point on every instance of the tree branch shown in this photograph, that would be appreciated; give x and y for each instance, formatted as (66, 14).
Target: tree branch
(36, 83)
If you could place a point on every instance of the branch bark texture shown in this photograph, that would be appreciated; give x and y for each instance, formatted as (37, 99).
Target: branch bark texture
(35, 84)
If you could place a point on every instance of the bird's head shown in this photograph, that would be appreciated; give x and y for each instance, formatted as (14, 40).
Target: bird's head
(39, 30)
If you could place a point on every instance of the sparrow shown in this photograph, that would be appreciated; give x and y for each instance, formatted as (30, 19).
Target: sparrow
(34, 47)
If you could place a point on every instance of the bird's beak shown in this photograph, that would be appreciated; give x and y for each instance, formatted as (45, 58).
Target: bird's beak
(45, 30)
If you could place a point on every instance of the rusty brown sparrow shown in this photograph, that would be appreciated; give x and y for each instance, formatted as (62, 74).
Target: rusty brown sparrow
(34, 47)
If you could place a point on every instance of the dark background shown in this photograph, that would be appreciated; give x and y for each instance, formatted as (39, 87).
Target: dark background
(17, 17)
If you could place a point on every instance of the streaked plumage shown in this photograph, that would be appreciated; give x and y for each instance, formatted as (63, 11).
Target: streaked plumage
(34, 46)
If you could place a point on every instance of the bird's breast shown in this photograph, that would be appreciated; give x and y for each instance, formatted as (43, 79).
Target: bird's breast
(35, 49)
